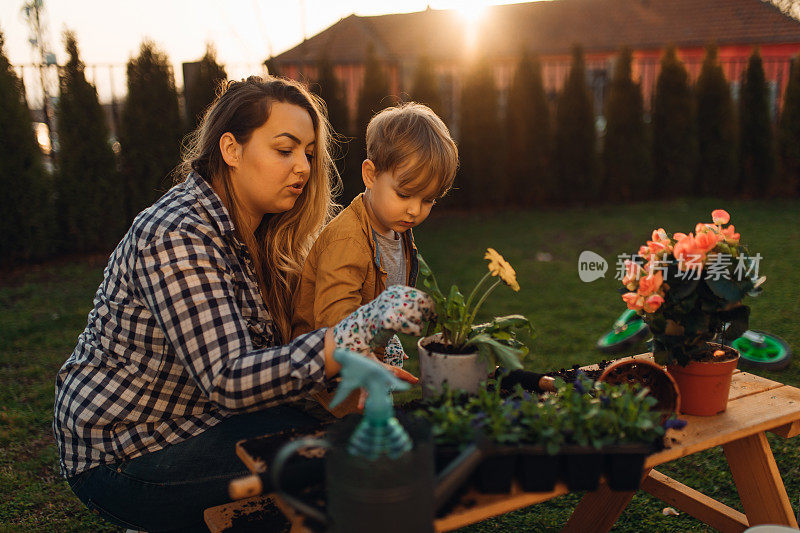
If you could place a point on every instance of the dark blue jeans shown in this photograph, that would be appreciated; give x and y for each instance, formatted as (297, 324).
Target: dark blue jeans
(168, 490)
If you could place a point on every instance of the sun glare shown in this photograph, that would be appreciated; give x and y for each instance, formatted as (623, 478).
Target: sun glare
(43, 137)
(472, 12)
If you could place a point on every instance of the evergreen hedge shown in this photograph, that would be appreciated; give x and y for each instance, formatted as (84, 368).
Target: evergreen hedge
(674, 132)
(756, 152)
(789, 135)
(89, 203)
(374, 97)
(716, 130)
(328, 87)
(481, 180)
(201, 91)
(150, 129)
(575, 150)
(25, 204)
(626, 155)
(529, 135)
(425, 88)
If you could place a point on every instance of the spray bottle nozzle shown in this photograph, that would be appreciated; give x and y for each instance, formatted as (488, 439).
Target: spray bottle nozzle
(379, 433)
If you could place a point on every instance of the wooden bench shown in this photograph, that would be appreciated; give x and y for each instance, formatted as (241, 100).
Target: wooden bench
(755, 405)
(265, 511)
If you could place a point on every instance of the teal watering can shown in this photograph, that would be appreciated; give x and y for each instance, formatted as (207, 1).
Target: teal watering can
(379, 473)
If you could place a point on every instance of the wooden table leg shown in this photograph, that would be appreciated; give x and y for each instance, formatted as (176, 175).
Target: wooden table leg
(758, 481)
(598, 510)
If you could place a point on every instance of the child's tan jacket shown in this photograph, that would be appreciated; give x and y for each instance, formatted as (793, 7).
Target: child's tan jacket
(343, 271)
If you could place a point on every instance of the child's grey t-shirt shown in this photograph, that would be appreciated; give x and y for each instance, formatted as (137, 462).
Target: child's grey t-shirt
(392, 258)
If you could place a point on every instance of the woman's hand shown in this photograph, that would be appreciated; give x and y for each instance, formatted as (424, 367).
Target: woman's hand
(398, 309)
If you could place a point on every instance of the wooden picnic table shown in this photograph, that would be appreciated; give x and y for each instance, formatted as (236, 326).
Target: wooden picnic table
(756, 405)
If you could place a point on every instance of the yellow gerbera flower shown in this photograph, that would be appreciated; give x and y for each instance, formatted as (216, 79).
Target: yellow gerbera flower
(500, 267)
(494, 260)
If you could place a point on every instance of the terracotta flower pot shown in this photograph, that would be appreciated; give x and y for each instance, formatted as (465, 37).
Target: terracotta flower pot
(460, 371)
(649, 374)
(705, 386)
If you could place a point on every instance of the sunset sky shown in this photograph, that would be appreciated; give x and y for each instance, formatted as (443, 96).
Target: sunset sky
(243, 31)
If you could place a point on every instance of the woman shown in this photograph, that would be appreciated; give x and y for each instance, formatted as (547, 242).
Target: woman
(180, 341)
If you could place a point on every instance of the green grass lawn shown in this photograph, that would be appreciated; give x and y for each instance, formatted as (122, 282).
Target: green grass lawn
(43, 309)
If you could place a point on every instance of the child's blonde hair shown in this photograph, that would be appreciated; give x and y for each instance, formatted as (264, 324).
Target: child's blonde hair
(412, 135)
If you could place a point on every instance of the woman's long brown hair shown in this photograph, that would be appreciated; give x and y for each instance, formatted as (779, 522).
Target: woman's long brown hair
(281, 243)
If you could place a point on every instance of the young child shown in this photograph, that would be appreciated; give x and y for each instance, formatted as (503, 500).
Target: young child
(411, 162)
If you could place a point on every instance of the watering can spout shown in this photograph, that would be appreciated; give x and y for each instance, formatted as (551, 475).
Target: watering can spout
(456, 473)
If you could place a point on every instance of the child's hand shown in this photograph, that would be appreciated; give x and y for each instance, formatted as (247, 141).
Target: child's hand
(397, 309)
(397, 370)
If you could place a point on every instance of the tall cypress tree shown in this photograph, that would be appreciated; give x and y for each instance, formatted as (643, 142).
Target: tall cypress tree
(331, 91)
(426, 86)
(674, 134)
(756, 153)
(374, 91)
(202, 90)
(89, 200)
(374, 97)
(481, 180)
(24, 204)
(575, 156)
(528, 133)
(150, 131)
(626, 156)
(789, 135)
(716, 127)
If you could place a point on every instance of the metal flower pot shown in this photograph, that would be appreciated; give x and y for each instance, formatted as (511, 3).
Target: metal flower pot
(459, 371)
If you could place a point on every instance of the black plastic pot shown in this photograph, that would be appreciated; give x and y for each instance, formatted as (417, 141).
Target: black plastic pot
(624, 466)
(495, 473)
(538, 471)
(581, 467)
(442, 457)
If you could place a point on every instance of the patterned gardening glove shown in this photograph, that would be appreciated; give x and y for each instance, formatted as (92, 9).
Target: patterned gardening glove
(370, 327)
(394, 354)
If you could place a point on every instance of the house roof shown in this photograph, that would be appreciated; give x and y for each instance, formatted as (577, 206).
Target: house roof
(552, 27)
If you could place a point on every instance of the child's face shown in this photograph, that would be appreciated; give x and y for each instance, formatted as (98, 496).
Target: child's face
(394, 207)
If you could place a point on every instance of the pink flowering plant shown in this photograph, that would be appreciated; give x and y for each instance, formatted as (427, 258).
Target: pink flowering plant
(689, 288)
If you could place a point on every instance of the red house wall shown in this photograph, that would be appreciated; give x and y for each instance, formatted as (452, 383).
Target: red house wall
(555, 68)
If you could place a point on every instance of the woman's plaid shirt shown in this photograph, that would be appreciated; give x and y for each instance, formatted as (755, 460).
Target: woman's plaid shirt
(178, 340)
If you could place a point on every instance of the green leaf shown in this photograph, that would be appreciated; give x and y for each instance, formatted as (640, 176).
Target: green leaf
(695, 322)
(738, 320)
(455, 305)
(726, 289)
(680, 288)
(496, 351)
(429, 280)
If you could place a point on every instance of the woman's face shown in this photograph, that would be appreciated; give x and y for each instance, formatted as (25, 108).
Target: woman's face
(270, 171)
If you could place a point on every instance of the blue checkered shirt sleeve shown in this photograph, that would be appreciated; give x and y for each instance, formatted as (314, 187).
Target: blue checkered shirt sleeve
(189, 288)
